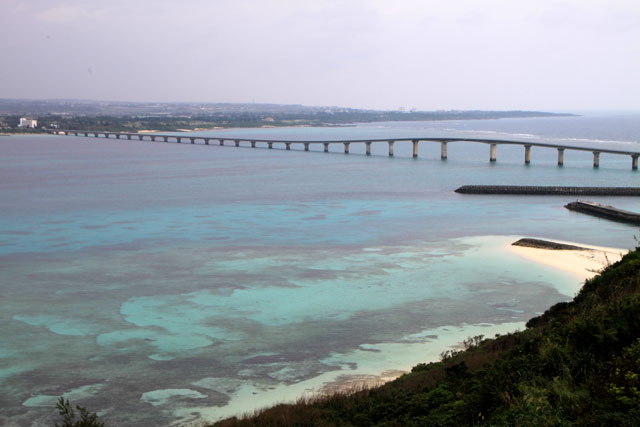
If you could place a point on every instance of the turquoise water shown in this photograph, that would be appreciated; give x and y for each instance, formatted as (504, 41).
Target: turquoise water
(159, 283)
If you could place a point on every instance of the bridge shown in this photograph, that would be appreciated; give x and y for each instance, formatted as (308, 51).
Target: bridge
(492, 143)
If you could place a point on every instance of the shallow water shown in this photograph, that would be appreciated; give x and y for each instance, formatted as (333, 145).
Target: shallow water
(154, 282)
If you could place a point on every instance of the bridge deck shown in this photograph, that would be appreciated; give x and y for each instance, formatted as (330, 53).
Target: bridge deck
(415, 140)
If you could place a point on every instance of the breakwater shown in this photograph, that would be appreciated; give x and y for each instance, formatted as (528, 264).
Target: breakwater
(548, 190)
(604, 211)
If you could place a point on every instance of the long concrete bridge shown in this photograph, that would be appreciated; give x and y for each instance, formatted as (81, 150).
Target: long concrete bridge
(492, 143)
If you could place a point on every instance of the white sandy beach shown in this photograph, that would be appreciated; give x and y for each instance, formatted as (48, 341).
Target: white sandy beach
(582, 263)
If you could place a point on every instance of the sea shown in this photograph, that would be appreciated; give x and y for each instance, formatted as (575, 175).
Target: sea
(173, 284)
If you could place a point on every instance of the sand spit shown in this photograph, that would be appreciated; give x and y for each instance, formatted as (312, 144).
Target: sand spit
(583, 261)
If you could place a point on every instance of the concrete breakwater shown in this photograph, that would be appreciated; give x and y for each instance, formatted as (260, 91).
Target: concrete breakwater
(549, 190)
(604, 211)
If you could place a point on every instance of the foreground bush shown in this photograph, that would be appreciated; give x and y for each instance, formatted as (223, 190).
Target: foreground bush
(68, 415)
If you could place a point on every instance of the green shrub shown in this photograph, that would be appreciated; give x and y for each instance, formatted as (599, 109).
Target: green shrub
(69, 417)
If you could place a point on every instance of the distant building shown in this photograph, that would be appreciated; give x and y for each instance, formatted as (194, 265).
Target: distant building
(27, 123)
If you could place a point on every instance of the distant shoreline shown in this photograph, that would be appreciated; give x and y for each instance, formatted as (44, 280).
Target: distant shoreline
(175, 117)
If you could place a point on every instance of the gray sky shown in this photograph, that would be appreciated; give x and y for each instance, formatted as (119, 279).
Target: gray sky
(444, 54)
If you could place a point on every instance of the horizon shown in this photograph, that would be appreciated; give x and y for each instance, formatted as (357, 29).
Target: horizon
(575, 112)
(428, 56)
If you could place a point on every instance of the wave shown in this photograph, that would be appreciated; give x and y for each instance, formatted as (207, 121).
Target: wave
(494, 132)
(467, 130)
(599, 141)
(544, 138)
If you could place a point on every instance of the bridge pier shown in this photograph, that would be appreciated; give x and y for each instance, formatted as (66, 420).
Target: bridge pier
(129, 137)
(140, 137)
(221, 141)
(193, 140)
(346, 147)
(415, 148)
(237, 141)
(96, 134)
(527, 154)
(306, 146)
(326, 147)
(368, 147)
(86, 134)
(153, 138)
(165, 138)
(560, 156)
(270, 144)
(493, 152)
(391, 148)
(443, 150)
(253, 144)
(634, 162)
(76, 133)
(596, 159)
(117, 136)
(206, 141)
(287, 145)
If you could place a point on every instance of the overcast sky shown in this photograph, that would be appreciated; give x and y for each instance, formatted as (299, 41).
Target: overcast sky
(444, 54)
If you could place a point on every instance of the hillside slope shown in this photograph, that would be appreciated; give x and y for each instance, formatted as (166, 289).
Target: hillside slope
(577, 364)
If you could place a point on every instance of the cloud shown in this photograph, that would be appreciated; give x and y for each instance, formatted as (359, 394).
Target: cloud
(366, 53)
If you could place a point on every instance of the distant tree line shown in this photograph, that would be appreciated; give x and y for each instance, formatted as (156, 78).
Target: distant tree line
(234, 119)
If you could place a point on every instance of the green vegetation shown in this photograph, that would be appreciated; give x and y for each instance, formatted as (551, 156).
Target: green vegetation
(131, 117)
(577, 364)
(69, 417)
(241, 120)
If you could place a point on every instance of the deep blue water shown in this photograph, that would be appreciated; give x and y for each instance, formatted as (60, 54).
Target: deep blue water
(157, 282)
